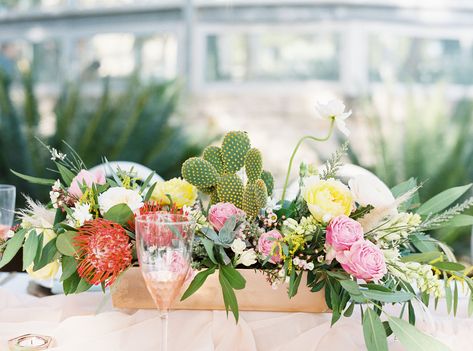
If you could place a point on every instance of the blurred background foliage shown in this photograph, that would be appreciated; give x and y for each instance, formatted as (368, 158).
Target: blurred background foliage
(433, 143)
(138, 124)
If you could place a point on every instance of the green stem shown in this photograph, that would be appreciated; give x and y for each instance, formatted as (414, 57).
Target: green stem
(299, 143)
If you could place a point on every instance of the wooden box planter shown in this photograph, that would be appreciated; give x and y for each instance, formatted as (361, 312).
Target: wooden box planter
(258, 295)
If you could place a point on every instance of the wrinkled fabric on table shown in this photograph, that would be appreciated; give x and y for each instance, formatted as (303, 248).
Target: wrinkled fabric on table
(88, 322)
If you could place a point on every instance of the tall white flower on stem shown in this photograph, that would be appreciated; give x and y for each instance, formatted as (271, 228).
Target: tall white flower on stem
(334, 110)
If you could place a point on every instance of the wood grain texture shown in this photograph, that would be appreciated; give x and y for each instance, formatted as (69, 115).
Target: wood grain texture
(258, 295)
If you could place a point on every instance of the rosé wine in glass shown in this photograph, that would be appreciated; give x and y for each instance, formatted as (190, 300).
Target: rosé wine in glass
(7, 208)
(164, 248)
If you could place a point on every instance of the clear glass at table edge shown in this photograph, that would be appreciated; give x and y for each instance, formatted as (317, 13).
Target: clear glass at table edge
(164, 248)
(7, 208)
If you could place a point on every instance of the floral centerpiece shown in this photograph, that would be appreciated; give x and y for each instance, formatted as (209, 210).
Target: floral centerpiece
(363, 243)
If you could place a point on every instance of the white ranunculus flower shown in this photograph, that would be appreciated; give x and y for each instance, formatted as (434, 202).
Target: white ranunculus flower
(238, 246)
(334, 109)
(247, 258)
(119, 195)
(370, 190)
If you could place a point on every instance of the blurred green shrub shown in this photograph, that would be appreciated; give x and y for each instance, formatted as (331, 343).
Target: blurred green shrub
(137, 124)
(433, 144)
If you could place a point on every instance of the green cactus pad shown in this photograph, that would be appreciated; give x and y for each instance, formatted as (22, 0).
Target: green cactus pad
(269, 181)
(235, 145)
(208, 190)
(199, 172)
(230, 189)
(249, 201)
(253, 164)
(261, 193)
(214, 197)
(213, 154)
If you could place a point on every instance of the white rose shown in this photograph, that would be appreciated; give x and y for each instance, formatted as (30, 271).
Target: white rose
(370, 190)
(238, 246)
(116, 196)
(247, 258)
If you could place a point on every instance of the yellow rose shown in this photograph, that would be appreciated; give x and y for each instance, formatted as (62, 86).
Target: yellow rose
(327, 199)
(46, 273)
(50, 270)
(182, 193)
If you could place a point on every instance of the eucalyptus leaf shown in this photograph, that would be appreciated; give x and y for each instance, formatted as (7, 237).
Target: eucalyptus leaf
(209, 248)
(373, 331)
(441, 201)
(48, 255)
(69, 267)
(449, 266)
(65, 243)
(66, 175)
(423, 257)
(30, 249)
(120, 214)
(413, 339)
(388, 297)
(13, 246)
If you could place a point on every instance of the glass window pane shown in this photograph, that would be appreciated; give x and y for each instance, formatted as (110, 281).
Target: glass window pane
(159, 56)
(105, 55)
(421, 60)
(272, 56)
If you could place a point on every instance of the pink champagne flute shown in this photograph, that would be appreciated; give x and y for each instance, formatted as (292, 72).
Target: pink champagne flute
(7, 208)
(164, 248)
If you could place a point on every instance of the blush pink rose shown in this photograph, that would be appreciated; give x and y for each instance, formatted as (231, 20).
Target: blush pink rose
(220, 212)
(364, 261)
(267, 245)
(342, 233)
(85, 177)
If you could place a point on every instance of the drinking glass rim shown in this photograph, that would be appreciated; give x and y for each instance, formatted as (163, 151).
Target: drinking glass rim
(7, 187)
(142, 218)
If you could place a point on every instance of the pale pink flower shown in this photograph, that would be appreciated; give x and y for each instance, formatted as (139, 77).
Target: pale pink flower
(342, 233)
(364, 261)
(268, 245)
(85, 177)
(220, 212)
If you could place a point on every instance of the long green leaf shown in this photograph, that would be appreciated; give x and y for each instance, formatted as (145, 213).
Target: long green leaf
(422, 257)
(197, 282)
(413, 339)
(461, 220)
(66, 175)
(234, 277)
(449, 266)
(229, 297)
(49, 253)
(69, 267)
(442, 200)
(373, 331)
(34, 180)
(13, 246)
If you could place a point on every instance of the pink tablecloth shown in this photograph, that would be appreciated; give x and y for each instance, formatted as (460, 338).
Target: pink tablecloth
(76, 324)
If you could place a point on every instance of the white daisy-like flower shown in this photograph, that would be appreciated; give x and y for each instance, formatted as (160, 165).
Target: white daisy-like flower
(334, 109)
(81, 213)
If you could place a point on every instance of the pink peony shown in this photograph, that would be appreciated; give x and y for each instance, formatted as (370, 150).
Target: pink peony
(267, 245)
(364, 261)
(220, 212)
(342, 233)
(85, 177)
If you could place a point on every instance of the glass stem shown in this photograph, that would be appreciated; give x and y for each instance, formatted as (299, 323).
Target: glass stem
(164, 330)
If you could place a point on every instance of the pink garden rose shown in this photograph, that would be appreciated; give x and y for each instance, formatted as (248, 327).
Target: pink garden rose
(220, 212)
(86, 177)
(364, 261)
(342, 233)
(267, 245)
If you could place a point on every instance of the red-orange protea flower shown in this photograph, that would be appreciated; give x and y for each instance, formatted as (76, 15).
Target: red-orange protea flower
(104, 251)
(153, 207)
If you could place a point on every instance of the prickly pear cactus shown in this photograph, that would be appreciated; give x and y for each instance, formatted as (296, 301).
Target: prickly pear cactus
(215, 173)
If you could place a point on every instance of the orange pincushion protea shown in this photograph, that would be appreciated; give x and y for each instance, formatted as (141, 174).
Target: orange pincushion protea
(104, 251)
